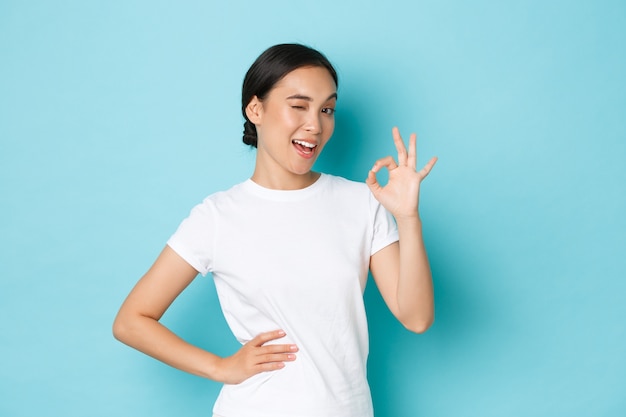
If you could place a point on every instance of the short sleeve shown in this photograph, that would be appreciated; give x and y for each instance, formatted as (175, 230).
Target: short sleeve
(194, 239)
(385, 231)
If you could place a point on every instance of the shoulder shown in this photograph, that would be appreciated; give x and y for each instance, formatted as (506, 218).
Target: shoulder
(344, 184)
(356, 191)
(211, 206)
(222, 197)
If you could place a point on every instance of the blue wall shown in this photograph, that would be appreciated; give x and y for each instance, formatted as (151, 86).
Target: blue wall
(117, 117)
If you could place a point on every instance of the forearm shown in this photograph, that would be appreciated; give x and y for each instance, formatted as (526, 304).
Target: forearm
(152, 338)
(415, 287)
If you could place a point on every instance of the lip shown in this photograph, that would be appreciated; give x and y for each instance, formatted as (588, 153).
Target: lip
(309, 141)
(301, 152)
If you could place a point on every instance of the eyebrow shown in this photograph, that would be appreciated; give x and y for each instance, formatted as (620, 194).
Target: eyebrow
(307, 98)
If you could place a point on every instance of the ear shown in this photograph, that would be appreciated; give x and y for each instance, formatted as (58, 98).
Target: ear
(254, 110)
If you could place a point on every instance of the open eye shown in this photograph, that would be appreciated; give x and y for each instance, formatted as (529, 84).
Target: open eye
(328, 110)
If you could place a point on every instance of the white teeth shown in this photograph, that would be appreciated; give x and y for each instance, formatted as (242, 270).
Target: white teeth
(303, 143)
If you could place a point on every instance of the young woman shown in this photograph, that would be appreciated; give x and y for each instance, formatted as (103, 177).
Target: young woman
(289, 250)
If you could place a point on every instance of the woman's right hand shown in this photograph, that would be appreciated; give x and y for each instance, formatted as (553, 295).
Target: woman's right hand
(256, 356)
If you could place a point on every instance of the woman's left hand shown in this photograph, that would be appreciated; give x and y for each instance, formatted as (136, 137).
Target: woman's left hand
(400, 196)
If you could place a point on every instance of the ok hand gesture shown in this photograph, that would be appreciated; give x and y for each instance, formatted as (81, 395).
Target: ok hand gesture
(401, 193)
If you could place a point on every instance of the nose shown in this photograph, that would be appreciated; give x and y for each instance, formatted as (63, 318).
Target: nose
(313, 124)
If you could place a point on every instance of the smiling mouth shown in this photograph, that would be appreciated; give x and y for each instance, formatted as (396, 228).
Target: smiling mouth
(304, 148)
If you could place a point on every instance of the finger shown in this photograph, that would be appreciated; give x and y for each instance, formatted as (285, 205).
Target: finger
(386, 162)
(269, 349)
(268, 367)
(397, 140)
(276, 357)
(412, 160)
(263, 338)
(372, 182)
(426, 170)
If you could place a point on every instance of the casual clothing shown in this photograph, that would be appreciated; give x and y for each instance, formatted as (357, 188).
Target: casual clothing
(298, 261)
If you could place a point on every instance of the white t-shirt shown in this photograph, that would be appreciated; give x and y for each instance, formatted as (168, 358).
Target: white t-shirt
(298, 261)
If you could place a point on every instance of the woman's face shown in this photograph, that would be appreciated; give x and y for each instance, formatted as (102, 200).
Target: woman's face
(293, 124)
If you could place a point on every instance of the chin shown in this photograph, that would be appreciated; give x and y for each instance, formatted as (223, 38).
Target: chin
(302, 169)
(301, 173)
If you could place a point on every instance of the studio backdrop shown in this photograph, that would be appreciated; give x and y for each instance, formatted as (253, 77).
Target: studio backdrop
(117, 117)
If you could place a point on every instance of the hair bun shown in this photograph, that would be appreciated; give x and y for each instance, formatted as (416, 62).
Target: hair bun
(249, 133)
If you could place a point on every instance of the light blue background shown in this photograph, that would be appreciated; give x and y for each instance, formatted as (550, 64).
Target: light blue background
(117, 117)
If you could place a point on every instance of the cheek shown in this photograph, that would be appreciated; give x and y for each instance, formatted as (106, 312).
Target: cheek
(288, 118)
(329, 126)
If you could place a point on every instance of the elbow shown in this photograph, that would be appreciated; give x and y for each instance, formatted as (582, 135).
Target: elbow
(418, 324)
(118, 329)
(121, 329)
(130, 327)
(418, 328)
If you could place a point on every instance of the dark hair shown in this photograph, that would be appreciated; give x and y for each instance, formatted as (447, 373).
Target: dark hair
(269, 68)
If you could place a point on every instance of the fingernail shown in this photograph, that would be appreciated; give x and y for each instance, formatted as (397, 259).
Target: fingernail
(290, 356)
(281, 332)
(293, 347)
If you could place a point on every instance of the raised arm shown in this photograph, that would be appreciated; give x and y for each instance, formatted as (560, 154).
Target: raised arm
(137, 325)
(401, 270)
